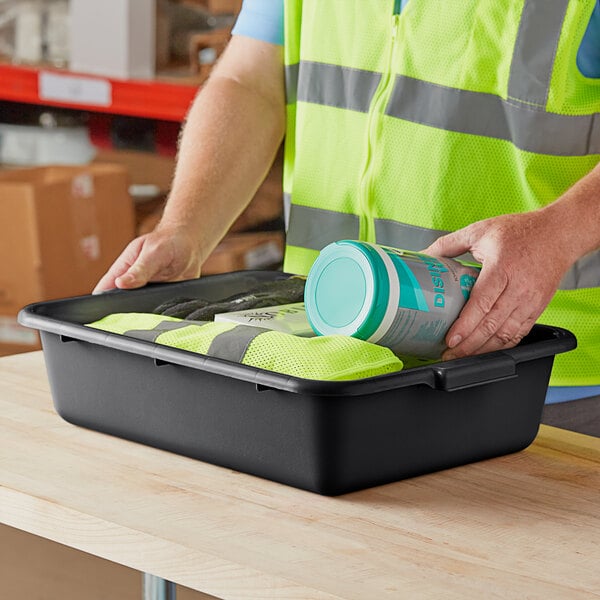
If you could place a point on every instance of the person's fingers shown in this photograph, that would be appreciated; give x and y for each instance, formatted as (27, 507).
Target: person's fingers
(157, 256)
(106, 283)
(512, 331)
(507, 335)
(136, 276)
(480, 317)
(451, 244)
(502, 326)
(120, 266)
(149, 262)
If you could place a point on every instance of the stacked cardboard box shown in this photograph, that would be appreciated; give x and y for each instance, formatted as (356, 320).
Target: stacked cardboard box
(62, 227)
(242, 251)
(145, 168)
(219, 7)
(255, 239)
(113, 38)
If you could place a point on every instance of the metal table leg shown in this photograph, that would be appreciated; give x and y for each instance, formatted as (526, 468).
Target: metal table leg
(157, 588)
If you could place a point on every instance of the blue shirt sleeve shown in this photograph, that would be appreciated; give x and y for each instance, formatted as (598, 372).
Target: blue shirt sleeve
(261, 20)
(588, 56)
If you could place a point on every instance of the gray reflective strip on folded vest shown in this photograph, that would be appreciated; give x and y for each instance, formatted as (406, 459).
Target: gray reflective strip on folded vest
(232, 345)
(315, 228)
(150, 335)
(340, 87)
(535, 48)
(229, 345)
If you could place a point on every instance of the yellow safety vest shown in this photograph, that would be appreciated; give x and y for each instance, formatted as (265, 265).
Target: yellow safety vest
(404, 126)
(328, 358)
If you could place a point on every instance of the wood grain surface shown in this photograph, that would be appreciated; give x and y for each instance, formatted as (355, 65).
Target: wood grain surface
(520, 526)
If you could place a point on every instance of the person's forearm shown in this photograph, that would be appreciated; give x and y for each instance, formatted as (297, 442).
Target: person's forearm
(576, 216)
(231, 136)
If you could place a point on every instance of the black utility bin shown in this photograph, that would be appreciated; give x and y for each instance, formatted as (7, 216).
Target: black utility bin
(329, 437)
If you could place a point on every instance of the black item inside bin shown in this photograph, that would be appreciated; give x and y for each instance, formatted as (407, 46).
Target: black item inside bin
(329, 437)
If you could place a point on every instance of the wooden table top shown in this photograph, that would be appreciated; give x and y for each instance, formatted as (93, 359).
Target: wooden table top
(520, 526)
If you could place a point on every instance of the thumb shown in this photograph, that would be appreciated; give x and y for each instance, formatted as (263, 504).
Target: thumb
(450, 245)
(138, 274)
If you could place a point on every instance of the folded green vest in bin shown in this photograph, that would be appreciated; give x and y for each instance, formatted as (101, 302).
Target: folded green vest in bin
(330, 357)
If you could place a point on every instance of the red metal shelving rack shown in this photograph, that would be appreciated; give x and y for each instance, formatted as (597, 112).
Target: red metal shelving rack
(162, 100)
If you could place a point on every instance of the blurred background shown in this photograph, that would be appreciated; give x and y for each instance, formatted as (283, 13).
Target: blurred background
(92, 98)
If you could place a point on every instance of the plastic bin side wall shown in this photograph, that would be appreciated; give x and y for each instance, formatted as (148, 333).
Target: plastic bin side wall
(206, 416)
(326, 444)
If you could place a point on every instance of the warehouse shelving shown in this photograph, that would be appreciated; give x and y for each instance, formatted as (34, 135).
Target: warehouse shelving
(166, 100)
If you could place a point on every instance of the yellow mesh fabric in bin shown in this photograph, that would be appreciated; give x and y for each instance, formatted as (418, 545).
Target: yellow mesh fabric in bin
(122, 322)
(186, 335)
(194, 338)
(332, 357)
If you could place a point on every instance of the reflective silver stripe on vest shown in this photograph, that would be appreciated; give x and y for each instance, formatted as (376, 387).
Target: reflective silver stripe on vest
(291, 82)
(585, 273)
(453, 109)
(535, 48)
(150, 335)
(332, 85)
(232, 344)
(517, 119)
(315, 228)
(409, 237)
(490, 116)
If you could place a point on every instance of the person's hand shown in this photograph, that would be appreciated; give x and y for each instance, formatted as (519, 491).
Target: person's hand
(524, 257)
(165, 254)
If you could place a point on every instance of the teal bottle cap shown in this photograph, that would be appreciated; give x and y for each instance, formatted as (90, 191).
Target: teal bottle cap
(346, 290)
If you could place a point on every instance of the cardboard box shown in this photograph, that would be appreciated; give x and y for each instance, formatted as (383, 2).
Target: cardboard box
(265, 207)
(218, 7)
(61, 229)
(148, 214)
(241, 251)
(145, 168)
(115, 38)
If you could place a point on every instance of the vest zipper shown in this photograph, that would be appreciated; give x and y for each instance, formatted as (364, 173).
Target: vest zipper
(374, 124)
